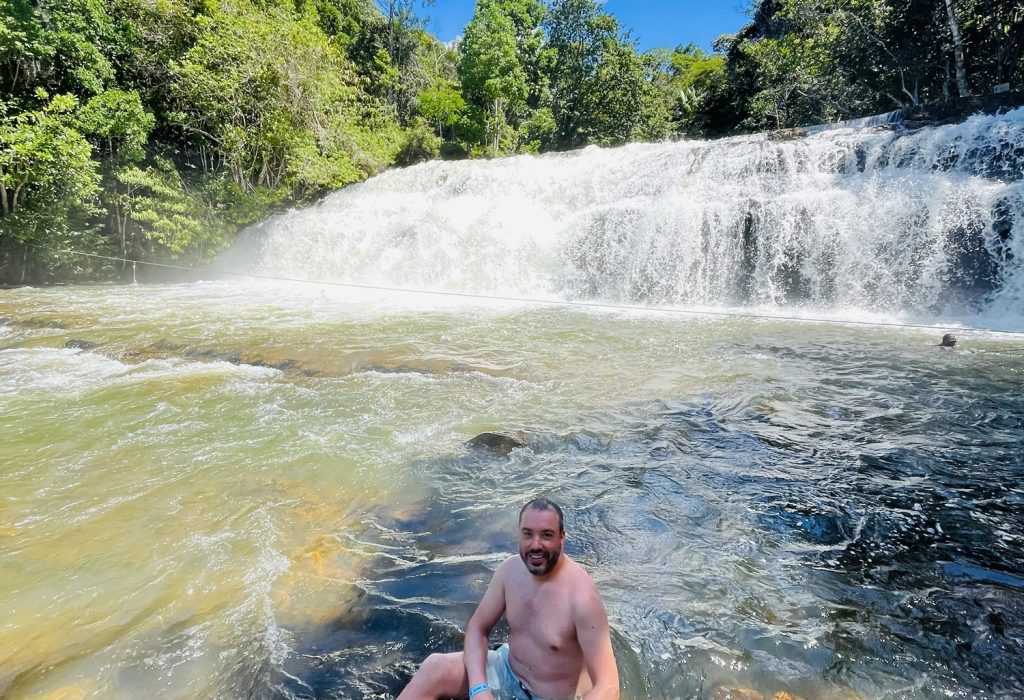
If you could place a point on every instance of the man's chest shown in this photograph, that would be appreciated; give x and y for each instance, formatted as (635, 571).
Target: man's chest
(547, 619)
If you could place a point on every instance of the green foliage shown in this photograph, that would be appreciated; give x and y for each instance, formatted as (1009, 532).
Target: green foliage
(47, 174)
(24, 50)
(119, 122)
(693, 87)
(48, 182)
(156, 200)
(261, 102)
(493, 77)
(538, 130)
(619, 103)
(196, 115)
(581, 35)
(441, 105)
(809, 61)
(421, 143)
(601, 89)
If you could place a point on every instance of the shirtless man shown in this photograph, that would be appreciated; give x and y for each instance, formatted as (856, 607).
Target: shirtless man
(559, 645)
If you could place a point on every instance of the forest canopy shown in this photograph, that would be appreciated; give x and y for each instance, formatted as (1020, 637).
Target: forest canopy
(156, 129)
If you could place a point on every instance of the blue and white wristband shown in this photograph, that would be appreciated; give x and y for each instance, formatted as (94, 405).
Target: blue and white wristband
(478, 689)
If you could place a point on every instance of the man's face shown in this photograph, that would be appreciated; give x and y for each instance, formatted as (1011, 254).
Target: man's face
(540, 541)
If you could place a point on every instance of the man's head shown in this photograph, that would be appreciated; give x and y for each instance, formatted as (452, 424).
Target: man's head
(948, 340)
(541, 535)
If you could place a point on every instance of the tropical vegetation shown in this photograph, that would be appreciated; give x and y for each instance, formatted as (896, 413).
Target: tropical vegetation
(156, 129)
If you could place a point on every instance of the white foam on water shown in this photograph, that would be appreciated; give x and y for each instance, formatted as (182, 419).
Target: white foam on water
(59, 370)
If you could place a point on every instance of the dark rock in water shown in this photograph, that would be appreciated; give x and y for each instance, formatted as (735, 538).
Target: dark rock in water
(502, 442)
(165, 346)
(42, 323)
(791, 134)
(79, 344)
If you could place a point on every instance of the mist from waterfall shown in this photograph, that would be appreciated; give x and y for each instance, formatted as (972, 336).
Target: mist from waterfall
(920, 223)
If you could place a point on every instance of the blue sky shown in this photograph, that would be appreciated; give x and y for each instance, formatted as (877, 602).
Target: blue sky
(651, 22)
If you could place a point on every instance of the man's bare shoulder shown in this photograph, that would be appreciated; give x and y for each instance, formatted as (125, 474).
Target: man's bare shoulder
(579, 574)
(506, 567)
(586, 597)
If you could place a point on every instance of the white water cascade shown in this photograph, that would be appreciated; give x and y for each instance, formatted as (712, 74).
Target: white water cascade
(919, 222)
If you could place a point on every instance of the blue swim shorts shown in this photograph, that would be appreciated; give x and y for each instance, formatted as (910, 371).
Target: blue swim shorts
(503, 682)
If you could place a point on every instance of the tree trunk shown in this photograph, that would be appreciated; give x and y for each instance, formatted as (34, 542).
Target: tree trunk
(4, 208)
(958, 50)
(120, 230)
(392, 98)
(497, 122)
(391, 30)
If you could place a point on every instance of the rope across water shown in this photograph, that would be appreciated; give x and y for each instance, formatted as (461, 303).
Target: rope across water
(549, 302)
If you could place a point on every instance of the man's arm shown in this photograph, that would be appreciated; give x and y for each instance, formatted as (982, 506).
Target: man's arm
(487, 614)
(595, 640)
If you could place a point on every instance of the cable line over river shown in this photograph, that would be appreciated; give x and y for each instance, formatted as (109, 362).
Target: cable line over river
(549, 302)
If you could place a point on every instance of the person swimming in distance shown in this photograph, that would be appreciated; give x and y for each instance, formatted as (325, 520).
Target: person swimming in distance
(948, 341)
(559, 640)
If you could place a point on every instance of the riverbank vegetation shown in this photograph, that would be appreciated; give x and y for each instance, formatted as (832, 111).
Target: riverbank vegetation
(156, 129)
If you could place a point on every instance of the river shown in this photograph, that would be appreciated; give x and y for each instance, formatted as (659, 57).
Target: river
(244, 488)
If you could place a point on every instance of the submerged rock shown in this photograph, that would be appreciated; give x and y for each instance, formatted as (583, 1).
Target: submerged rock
(502, 442)
(79, 344)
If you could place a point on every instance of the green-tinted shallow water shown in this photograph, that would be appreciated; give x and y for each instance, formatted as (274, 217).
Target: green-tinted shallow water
(222, 490)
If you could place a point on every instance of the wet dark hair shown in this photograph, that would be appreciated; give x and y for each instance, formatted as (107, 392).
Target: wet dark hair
(545, 504)
(948, 340)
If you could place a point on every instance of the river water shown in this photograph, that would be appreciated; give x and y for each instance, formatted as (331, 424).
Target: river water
(227, 490)
(241, 488)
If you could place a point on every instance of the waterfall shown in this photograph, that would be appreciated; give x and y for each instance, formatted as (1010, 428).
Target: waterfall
(924, 222)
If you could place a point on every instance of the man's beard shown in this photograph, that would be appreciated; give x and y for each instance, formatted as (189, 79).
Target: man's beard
(545, 567)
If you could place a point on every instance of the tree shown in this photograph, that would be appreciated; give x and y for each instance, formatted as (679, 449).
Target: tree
(119, 126)
(958, 49)
(801, 61)
(692, 85)
(811, 61)
(281, 108)
(160, 209)
(491, 74)
(47, 179)
(442, 105)
(45, 162)
(24, 49)
(601, 88)
(993, 36)
(119, 123)
(580, 34)
(620, 103)
(502, 69)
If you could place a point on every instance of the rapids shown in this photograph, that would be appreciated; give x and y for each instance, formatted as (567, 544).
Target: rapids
(257, 489)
